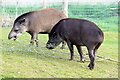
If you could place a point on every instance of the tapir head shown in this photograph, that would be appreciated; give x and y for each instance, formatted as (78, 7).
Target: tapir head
(54, 40)
(20, 26)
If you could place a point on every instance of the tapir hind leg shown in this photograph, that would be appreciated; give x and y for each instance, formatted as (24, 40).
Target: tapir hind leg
(92, 58)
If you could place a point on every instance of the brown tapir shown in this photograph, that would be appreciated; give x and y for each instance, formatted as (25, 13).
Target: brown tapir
(78, 32)
(35, 22)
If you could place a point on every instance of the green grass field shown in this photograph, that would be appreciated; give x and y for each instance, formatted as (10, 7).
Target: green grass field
(21, 61)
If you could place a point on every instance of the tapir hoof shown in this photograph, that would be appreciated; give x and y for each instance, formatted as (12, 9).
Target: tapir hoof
(91, 67)
(83, 60)
(70, 59)
(62, 48)
(36, 46)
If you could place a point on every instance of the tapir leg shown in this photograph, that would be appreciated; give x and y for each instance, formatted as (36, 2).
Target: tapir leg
(34, 38)
(70, 46)
(92, 52)
(63, 45)
(92, 58)
(81, 53)
(96, 48)
(36, 41)
(31, 42)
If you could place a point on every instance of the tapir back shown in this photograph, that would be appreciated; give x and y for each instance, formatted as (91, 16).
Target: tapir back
(79, 31)
(42, 21)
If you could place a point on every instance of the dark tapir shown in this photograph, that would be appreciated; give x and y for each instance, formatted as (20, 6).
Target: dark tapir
(35, 22)
(78, 32)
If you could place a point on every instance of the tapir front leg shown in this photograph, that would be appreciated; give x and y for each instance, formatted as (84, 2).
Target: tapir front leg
(63, 45)
(70, 46)
(34, 38)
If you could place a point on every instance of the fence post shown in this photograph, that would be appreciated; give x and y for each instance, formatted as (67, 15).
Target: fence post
(16, 8)
(44, 3)
(78, 2)
(65, 7)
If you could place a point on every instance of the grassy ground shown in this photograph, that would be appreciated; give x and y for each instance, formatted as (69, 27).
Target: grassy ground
(21, 61)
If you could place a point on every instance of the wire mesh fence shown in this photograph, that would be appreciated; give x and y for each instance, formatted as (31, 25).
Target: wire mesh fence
(104, 14)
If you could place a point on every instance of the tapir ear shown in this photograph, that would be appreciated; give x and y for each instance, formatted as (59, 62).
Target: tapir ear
(22, 21)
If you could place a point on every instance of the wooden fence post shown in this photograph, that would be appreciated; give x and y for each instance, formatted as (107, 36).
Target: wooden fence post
(44, 3)
(16, 14)
(65, 7)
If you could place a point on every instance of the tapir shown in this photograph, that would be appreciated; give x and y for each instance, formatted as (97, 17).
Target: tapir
(36, 22)
(78, 32)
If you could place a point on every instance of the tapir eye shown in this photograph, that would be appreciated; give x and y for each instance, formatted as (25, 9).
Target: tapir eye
(16, 30)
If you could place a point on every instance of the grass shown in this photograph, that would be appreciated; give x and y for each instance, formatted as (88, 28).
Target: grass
(21, 61)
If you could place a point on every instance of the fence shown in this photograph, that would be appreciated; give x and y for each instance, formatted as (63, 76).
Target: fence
(105, 15)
